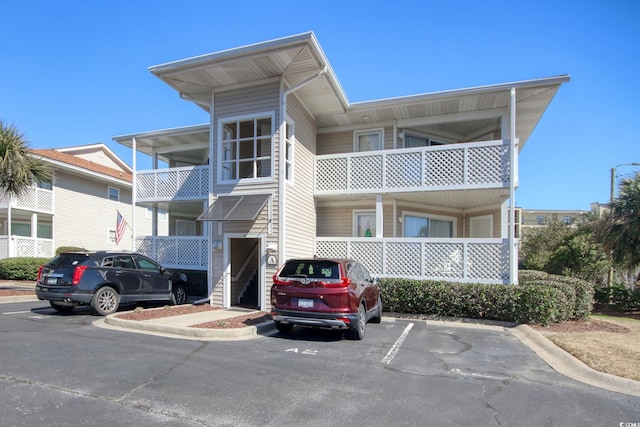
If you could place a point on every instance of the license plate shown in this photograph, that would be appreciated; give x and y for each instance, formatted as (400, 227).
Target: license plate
(305, 303)
(52, 281)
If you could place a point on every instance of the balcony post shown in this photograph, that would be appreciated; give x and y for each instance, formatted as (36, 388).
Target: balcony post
(379, 216)
(513, 254)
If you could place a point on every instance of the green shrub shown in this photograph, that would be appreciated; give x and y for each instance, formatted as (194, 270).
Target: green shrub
(63, 249)
(540, 298)
(20, 268)
(618, 297)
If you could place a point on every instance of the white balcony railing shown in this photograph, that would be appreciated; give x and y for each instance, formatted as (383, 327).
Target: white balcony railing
(185, 183)
(180, 252)
(454, 260)
(28, 247)
(31, 199)
(456, 166)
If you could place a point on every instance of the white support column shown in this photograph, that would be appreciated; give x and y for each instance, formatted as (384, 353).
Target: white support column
(513, 250)
(379, 216)
(134, 197)
(34, 225)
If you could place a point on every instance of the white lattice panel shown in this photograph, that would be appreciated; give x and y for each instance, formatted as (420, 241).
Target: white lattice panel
(331, 249)
(4, 248)
(403, 260)
(488, 262)
(189, 184)
(166, 184)
(444, 167)
(190, 251)
(369, 254)
(45, 248)
(331, 174)
(45, 200)
(25, 247)
(488, 164)
(145, 186)
(145, 247)
(365, 172)
(27, 199)
(444, 260)
(403, 170)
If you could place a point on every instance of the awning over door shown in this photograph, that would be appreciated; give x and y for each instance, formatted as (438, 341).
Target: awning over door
(235, 208)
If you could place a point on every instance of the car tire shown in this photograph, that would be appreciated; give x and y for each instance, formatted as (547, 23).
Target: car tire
(285, 328)
(61, 308)
(178, 295)
(359, 328)
(105, 301)
(377, 318)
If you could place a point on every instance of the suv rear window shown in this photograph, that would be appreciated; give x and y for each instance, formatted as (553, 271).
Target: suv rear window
(311, 269)
(69, 259)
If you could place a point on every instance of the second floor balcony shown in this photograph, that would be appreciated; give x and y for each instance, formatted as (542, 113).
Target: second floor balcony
(476, 165)
(184, 183)
(32, 199)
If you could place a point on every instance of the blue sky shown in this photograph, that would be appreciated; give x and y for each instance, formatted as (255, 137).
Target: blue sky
(74, 73)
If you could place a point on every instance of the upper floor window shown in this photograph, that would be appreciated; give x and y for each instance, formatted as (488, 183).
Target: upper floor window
(368, 140)
(113, 194)
(566, 219)
(163, 215)
(540, 220)
(246, 149)
(288, 150)
(45, 185)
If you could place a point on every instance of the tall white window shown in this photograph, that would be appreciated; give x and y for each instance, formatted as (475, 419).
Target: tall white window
(364, 223)
(246, 149)
(419, 225)
(368, 140)
(288, 150)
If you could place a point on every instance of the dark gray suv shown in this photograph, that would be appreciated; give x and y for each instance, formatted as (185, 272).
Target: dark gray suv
(104, 280)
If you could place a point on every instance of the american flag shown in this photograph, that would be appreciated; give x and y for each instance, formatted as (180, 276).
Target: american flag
(121, 227)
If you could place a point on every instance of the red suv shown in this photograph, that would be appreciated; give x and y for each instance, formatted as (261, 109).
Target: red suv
(328, 293)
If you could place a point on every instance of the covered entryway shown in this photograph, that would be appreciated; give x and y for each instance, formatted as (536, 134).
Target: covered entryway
(244, 280)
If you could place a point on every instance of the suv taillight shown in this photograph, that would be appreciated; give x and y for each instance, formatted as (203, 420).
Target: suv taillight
(39, 273)
(343, 283)
(77, 274)
(281, 282)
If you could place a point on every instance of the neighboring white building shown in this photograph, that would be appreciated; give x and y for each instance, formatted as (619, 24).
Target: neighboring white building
(417, 186)
(78, 207)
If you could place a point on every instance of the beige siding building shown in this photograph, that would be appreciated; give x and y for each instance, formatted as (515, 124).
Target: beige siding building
(419, 186)
(78, 208)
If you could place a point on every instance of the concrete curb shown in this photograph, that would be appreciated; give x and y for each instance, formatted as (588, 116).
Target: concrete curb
(191, 332)
(571, 367)
(19, 298)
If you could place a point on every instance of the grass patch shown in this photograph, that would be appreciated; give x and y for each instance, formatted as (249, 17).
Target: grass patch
(615, 353)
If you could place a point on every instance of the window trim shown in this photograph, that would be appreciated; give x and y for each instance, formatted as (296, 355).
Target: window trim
(289, 140)
(363, 132)
(109, 188)
(356, 214)
(452, 219)
(111, 241)
(431, 140)
(222, 121)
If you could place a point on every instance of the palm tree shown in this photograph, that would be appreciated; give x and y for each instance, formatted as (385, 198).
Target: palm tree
(622, 226)
(18, 169)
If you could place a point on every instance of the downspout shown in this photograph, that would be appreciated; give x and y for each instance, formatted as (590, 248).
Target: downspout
(513, 252)
(281, 179)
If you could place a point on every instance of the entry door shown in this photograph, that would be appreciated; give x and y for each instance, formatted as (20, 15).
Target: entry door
(246, 283)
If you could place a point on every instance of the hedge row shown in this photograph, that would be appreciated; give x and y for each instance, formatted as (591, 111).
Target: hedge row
(540, 298)
(20, 268)
(619, 297)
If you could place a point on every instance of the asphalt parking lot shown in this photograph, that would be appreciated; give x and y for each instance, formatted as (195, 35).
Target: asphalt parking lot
(64, 369)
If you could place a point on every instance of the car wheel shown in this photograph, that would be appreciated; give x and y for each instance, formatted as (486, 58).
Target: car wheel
(61, 308)
(285, 328)
(105, 301)
(378, 316)
(178, 295)
(358, 330)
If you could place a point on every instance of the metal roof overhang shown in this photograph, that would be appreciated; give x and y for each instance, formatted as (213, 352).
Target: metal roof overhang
(235, 208)
(294, 59)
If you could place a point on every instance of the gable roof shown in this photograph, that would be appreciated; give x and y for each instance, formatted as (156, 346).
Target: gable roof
(83, 166)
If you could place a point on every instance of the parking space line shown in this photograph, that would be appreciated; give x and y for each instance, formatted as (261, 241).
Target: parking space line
(396, 346)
